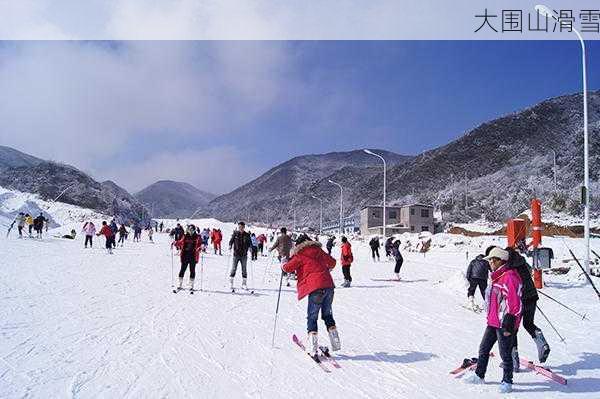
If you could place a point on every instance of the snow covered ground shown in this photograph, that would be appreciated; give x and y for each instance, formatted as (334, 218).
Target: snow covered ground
(81, 323)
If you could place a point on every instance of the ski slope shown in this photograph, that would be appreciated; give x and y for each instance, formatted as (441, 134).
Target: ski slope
(83, 324)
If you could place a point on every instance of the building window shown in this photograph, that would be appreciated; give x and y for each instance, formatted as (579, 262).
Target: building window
(412, 228)
(424, 228)
(376, 213)
(424, 213)
(412, 211)
(392, 215)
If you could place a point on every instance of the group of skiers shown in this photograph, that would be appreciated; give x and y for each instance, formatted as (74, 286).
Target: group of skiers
(392, 251)
(25, 220)
(110, 232)
(510, 297)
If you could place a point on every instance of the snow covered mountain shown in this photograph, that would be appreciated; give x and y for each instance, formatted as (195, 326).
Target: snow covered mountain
(172, 199)
(49, 179)
(500, 165)
(270, 197)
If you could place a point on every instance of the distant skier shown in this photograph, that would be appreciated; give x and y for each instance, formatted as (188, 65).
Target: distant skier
(477, 276)
(89, 230)
(388, 247)
(312, 266)
(178, 232)
(150, 233)
(398, 258)
(283, 245)
(503, 318)
(330, 244)
(70, 236)
(374, 244)
(29, 223)
(261, 239)
(529, 299)
(107, 232)
(189, 246)
(160, 226)
(346, 258)
(254, 248)
(113, 226)
(21, 221)
(38, 224)
(240, 243)
(122, 234)
(137, 232)
(216, 237)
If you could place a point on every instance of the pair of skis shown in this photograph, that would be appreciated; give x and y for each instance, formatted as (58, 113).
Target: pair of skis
(467, 364)
(320, 358)
(176, 290)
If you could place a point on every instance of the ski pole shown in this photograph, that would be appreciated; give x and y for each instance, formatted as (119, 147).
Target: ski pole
(586, 274)
(277, 310)
(172, 284)
(563, 305)
(595, 254)
(201, 272)
(548, 320)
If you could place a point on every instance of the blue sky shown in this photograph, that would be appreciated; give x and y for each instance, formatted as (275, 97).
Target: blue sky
(217, 114)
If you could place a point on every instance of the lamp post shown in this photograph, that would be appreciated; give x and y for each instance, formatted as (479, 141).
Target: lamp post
(547, 12)
(321, 214)
(341, 203)
(384, 188)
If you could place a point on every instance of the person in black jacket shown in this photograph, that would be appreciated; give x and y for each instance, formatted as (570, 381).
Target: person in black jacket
(240, 242)
(477, 276)
(529, 300)
(374, 244)
(388, 247)
(330, 244)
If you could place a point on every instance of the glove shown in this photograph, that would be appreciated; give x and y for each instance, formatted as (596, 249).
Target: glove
(508, 323)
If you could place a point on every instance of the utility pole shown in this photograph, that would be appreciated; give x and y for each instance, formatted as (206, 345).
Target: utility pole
(466, 192)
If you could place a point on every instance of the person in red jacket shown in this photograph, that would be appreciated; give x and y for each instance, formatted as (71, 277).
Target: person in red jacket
(216, 237)
(312, 265)
(189, 247)
(107, 232)
(346, 260)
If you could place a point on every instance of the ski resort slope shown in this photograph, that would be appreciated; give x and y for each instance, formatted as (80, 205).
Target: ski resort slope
(84, 324)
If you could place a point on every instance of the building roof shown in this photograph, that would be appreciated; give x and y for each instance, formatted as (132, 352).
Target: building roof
(396, 206)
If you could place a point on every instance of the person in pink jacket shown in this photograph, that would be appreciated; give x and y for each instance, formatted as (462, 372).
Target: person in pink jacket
(503, 300)
(89, 230)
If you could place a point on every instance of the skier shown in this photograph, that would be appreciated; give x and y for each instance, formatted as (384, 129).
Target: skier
(388, 247)
(205, 237)
(262, 239)
(346, 258)
(122, 234)
(29, 222)
(178, 232)
(20, 219)
(189, 247)
(89, 230)
(38, 224)
(115, 229)
(529, 298)
(398, 257)
(254, 249)
(240, 242)
(283, 244)
(312, 266)
(70, 236)
(374, 244)
(160, 226)
(216, 237)
(503, 318)
(107, 232)
(477, 276)
(330, 244)
(151, 233)
(137, 232)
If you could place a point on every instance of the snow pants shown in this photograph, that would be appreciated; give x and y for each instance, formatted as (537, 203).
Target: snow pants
(346, 272)
(217, 246)
(473, 284)
(184, 265)
(505, 345)
(319, 300)
(88, 239)
(528, 312)
(254, 252)
(239, 259)
(375, 252)
(110, 242)
(399, 262)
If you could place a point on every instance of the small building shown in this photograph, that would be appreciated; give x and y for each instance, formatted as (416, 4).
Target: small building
(413, 218)
(350, 224)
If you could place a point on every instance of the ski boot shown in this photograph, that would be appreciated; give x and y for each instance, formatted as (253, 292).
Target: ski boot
(244, 285)
(180, 286)
(397, 276)
(231, 284)
(515, 360)
(473, 379)
(191, 284)
(334, 338)
(542, 346)
(312, 344)
(505, 387)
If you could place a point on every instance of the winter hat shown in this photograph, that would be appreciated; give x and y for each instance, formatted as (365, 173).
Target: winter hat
(344, 239)
(497, 253)
(303, 237)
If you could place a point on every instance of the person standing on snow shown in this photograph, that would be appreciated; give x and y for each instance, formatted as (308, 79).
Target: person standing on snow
(122, 234)
(178, 232)
(261, 239)
(113, 226)
(477, 276)
(529, 301)
(254, 249)
(240, 243)
(29, 223)
(160, 226)
(503, 318)
(38, 224)
(89, 230)
(107, 232)
(283, 245)
(398, 258)
(388, 247)
(374, 244)
(346, 258)
(189, 247)
(21, 221)
(312, 266)
(216, 237)
(330, 244)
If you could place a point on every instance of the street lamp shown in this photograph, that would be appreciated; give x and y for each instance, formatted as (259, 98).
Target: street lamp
(341, 203)
(547, 12)
(321, 215)
(384, 187)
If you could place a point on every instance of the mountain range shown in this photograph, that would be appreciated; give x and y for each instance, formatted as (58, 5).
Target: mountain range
(171, 199)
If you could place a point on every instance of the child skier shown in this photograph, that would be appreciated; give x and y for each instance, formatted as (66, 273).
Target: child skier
(398, 257)
(312, 266)
(107, 232)
(89, 230)
(189, 247)
(503, 318)
(346, 260)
